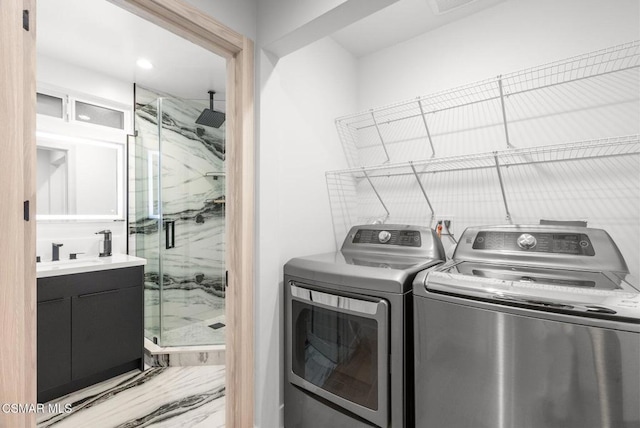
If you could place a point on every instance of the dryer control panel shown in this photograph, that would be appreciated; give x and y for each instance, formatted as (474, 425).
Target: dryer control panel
(404, 238)
(389, 242)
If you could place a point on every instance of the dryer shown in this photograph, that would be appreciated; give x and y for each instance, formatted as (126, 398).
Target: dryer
(348, 329)
(529, 327)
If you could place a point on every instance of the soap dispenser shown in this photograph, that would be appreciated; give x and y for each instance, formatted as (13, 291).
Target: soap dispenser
(105, 244)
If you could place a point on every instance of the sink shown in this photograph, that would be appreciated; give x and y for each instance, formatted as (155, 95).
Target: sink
(86, 264)
(75, 262)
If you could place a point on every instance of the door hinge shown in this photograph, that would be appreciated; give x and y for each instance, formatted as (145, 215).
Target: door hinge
(26, 210)
(25, 19)
(226, 279)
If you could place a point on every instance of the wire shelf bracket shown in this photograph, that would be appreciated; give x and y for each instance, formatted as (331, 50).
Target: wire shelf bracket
(424, 193)
(384, 147)
(582, 151)
(426, 127)
(378, 196)
(504, 112)
(504, 196)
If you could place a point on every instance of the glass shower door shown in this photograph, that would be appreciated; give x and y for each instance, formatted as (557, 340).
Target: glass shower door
(182, 189)
(144, 212)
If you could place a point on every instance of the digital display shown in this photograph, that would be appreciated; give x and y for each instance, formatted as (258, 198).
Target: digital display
(568, 244)
(559, 243)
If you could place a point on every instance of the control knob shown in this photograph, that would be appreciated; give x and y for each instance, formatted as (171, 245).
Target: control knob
(384, 237)
(526, 241)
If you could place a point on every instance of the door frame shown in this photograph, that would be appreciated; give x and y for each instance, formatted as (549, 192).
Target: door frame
(199, 28)
(17, 210)
(17, 176)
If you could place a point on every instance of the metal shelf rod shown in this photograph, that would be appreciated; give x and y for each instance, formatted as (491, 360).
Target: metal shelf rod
(384, 147)
(577, 79)
(547, 70)
(504, 112)
(377, 195)
(504, 196)
(487, 99)
(474, 168)
(430, 112)
(424, 192)
(426, 127)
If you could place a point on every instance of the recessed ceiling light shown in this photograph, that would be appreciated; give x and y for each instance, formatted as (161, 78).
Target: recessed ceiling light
(83, 117)
(144, 63)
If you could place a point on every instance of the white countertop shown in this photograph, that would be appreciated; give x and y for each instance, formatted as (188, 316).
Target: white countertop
(87, 264)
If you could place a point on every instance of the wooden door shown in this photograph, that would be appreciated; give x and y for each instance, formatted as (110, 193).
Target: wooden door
(17, 236)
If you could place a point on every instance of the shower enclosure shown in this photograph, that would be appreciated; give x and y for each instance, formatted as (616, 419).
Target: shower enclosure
(177, 220)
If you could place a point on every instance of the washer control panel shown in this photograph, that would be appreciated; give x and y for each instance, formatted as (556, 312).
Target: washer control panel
(577, 244)
(403, 238)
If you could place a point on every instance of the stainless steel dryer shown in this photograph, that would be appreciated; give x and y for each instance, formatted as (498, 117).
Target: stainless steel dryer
(348, 329)
(528, 327)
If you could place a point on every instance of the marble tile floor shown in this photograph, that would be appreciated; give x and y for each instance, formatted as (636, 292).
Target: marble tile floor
(162, 397)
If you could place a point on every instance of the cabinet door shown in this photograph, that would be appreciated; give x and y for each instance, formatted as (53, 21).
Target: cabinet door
(54, 343)
(107, 330)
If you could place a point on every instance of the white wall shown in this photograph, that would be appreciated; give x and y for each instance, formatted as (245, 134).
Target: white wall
(286, 26)
(53, 74)
(239, 15)
(280, 17)
(299, 96)
(299, 100)
(508, 37)
(78, 237)
(511, 36)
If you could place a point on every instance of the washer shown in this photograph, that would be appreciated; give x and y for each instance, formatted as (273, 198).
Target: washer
(529, 327)
(348, 329)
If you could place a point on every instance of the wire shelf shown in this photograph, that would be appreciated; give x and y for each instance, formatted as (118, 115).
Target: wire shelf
(595, 180)
(487, 152)
(587, 96)
(600, 148)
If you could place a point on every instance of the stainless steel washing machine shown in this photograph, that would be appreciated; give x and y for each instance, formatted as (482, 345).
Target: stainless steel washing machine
(528, 327)
(348, 329)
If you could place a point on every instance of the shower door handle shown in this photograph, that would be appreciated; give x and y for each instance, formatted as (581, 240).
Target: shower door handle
(170, 234)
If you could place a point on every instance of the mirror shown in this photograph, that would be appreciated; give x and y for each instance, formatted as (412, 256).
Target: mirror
(79, 179)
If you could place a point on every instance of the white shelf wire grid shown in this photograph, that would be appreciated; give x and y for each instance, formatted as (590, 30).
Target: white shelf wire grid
(599, 148)
(594, 180)
(592, 95)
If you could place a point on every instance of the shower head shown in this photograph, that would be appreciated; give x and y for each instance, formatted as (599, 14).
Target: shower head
(210, 117)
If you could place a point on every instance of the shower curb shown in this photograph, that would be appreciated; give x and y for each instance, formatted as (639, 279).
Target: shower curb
(183, 356)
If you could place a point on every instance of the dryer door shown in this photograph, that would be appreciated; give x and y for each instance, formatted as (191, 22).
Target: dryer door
(339, 348)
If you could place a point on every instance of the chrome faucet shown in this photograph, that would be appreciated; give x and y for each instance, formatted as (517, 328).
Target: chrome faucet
(55, 252)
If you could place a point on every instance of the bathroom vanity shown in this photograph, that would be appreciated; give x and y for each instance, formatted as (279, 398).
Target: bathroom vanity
(90, 322)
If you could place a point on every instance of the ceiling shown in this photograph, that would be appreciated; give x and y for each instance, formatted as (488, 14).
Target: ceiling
(100, 36)
(402, 21)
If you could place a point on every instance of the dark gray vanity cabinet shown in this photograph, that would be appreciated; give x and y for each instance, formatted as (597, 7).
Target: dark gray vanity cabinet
(103, 332)
(54, 343)
(90, 328)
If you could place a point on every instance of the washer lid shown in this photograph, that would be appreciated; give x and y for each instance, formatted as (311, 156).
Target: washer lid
(595, 294)
(375, 272)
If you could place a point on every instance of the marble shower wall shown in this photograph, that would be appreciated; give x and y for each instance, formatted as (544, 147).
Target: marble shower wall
(192, 187)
